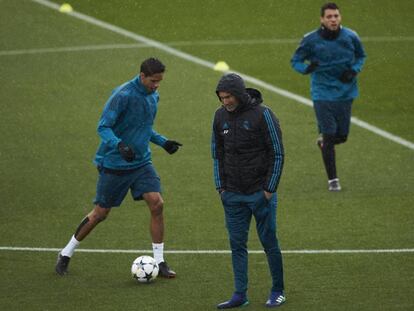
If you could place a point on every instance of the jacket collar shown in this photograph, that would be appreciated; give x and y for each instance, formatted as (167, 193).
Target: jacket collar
(141, 88)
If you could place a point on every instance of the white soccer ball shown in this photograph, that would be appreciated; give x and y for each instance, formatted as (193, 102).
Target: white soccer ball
(144, 269)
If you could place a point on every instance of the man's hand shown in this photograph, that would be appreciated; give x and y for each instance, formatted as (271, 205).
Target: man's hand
(126, 152)
(268, 195)
(311, 67)
(347, 76)
(171, 146)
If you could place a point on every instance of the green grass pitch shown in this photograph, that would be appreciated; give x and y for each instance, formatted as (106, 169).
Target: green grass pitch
(51, 102)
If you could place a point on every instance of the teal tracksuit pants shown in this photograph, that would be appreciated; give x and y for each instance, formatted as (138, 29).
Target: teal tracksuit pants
(238, 209)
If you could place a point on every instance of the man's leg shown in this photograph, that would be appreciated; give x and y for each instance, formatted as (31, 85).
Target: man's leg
(342, 114)
(328, 155)
(327, 117)
(97, 215)
(343, 119)
(265, 215)
(147, 186)
(110, 191)
(327, 125)
(156, 204)
(238, 217)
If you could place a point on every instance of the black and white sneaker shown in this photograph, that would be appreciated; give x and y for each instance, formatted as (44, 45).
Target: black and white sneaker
(334, 185)
(276, 299)
(165, 271)
(62, 264)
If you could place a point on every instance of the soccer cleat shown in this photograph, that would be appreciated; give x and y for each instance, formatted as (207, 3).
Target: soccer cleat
(236, 301)
(62, 264)
(276, 299)
(165, 271)
(334, 185)
(319, 142)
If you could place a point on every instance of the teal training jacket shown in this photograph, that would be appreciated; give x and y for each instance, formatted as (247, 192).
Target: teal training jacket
(128, 116)
(334, 57)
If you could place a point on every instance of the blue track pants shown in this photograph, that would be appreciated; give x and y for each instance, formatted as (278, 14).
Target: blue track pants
(238, 210)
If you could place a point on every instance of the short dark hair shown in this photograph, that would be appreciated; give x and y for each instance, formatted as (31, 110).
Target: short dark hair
(328, 6)
(152, 66)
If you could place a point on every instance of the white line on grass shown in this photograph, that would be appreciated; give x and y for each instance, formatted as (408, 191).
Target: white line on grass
(74, 49)
(180, 44)
(214, 251)
(279, 41)
(210, 65)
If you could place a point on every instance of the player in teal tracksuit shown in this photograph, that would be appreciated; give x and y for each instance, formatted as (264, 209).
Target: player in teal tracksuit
(334, 56)
(123, 160)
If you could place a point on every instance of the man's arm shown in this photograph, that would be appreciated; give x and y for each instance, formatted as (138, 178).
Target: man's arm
(274, 144)
(217, 151)
(360, 54)
(359, 58)
(302, 54)
(110, 114)
(171, 146)
(157, 138)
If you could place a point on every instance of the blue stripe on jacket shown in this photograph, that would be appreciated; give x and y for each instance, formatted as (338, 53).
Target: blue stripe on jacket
(277, 169)
(216, 162)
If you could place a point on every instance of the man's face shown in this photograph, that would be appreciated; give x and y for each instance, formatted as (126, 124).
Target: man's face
(228, 100)
(151, 83)
(331, 19)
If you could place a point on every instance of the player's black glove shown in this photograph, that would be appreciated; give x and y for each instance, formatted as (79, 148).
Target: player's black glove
(171, 146)
(126, 152)
(311, 67)
(347, 76)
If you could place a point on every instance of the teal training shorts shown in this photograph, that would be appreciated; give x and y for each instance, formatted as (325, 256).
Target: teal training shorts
(113, 185)
(334, 118)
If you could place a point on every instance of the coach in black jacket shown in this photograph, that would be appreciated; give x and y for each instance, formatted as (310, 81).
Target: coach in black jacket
(248, 160)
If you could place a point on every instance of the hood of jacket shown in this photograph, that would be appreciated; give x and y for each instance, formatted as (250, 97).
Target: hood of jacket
(234, 84)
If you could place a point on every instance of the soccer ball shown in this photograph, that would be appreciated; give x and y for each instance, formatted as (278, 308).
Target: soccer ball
(144, 269)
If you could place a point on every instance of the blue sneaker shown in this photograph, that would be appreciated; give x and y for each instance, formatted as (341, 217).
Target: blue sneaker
(237, 300)
(276, 299)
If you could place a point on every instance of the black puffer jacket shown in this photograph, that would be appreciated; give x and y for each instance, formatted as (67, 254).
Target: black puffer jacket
(247, 143)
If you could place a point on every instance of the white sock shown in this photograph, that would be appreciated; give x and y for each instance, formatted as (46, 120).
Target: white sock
(70, 248)
(158, 249)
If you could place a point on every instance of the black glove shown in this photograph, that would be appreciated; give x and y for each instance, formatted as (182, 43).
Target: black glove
(126, 152)
(347, 76)
(311, 67)
(171, 146)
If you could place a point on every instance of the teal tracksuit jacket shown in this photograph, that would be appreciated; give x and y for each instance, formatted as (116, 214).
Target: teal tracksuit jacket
(128, 116)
